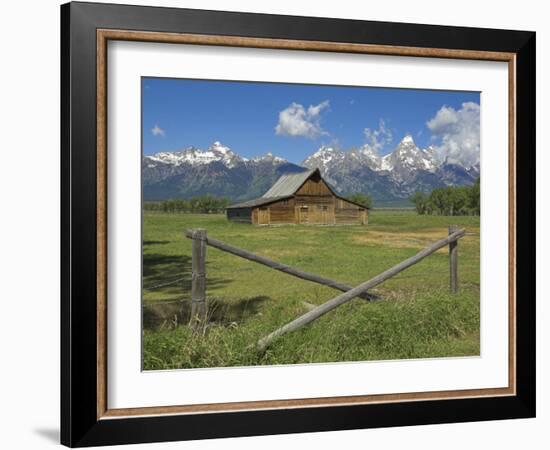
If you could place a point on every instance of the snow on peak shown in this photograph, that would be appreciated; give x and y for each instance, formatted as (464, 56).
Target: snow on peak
(224, 154)
(269, 157)
(409, 158)
(325, 150)
(367, 155)
(408, 139)
(407, 148)
(196, 157)
(323, 156)
(386, 162)
(367, 150)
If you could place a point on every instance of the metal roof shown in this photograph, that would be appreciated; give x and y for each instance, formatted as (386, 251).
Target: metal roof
(257, 202)
(288, 184)
(285, 187)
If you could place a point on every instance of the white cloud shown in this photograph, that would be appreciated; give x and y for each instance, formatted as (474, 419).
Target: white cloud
(458, 134)
(378, 139)
(157, 131)
(295, 120)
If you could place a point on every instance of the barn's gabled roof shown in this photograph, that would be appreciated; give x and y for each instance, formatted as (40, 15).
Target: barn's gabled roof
(285, 187)
(258, 202)
(288, 184)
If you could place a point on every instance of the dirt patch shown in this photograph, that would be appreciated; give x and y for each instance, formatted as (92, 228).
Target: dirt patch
(416, 239)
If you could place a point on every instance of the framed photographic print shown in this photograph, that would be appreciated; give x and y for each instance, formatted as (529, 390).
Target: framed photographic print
(276, 224)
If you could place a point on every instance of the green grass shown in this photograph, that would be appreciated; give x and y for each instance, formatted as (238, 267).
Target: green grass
(418, 317)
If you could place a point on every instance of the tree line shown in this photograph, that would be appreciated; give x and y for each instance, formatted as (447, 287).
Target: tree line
(449, 201)
(208, 204)
(204, 204)
(446, 201)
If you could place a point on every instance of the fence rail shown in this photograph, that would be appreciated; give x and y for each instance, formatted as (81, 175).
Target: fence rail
(158, 303)
(276, 265)
(198, 295)
(163, 284)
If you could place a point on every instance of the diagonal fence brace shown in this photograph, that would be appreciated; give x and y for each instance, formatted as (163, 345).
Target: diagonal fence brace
(317, 312)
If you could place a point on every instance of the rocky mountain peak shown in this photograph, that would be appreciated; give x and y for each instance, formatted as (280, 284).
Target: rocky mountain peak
(406, 146)
(324, 156)
(220, 171)
(194, 156)
(408, 158)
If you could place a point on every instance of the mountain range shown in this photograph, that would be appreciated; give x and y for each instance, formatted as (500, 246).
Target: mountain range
(221, 172)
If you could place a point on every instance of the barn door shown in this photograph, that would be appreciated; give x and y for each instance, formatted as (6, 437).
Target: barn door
(263, 216)
(323, 214)
(304, 214)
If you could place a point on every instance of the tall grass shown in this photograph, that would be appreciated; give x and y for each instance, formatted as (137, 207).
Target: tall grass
(418, 317)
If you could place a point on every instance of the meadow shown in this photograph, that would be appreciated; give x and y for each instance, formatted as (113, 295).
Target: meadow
(416, 315)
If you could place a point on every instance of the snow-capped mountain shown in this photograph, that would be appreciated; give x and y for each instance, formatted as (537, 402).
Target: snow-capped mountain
(193, 156)
(220, 171)
(405, 170)
(269, 157)
(403, 162)
(324, 157)
(368, 156)
(407, 159)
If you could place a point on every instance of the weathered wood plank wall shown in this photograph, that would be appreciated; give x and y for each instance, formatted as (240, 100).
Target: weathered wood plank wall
(314, 187)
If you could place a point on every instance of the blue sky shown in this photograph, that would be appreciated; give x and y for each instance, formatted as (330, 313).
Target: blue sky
(293, 120)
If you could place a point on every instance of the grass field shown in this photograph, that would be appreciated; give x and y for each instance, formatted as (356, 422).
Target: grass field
(418, 317)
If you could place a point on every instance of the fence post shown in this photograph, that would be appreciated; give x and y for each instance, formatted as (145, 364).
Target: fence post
(453, 260)
(198, 279)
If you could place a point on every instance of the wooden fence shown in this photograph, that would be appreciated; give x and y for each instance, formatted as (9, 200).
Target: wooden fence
(198, 286)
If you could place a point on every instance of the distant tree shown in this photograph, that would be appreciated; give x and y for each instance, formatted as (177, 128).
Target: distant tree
(460, 201)
(420, 201)
(362, 199)
(440, 202)
(449, 201)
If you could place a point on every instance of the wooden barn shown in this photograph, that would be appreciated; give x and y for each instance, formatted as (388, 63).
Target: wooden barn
(299, 198)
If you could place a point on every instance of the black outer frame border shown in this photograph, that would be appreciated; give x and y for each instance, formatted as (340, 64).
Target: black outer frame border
(79, 425)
